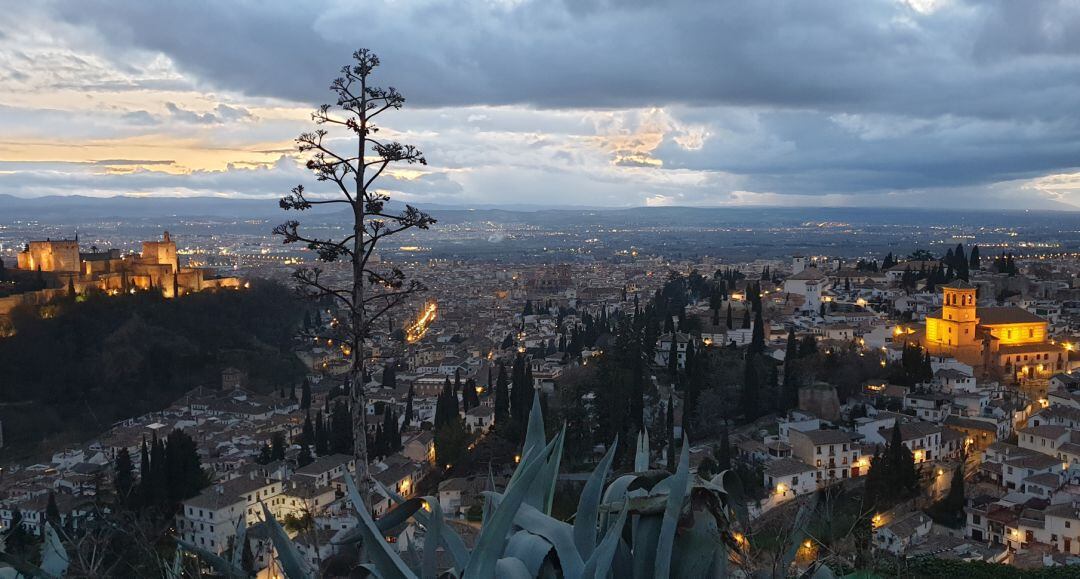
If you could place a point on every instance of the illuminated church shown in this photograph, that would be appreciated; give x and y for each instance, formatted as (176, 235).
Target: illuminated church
(1008, 338)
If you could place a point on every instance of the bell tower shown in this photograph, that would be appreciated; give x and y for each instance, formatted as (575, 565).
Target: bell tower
(958, 314)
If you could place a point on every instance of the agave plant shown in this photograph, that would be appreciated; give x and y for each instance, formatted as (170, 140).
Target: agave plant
(645, 524)
(54, 559)
(649, 523)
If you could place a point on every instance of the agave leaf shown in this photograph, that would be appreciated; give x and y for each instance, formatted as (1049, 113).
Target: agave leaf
(238, 546)
(641, 456)
(487, 502)
(695, 553)
(510, 568)
(559, 534)
(798, 532)
(542, 489)
(371, 569)
(54, 558)
(219, 563)
(678, 484)
(534, 434)
(431, 542)
(530, 549)
(389, 563)
(599, 563)
(616, 492)
(589, 504)
(450, 538)
(292, 562)
(646, 537)
(732, 486)
(489, 546)
(822, 571)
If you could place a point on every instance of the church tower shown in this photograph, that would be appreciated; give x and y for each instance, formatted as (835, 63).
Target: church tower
(958, 315)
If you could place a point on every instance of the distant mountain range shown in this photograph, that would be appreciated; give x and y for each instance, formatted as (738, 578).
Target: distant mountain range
(76, 208)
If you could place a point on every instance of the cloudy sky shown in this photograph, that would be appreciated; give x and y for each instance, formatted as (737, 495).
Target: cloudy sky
(558, 102)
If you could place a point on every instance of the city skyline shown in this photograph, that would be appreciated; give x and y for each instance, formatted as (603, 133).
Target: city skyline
(918, 103)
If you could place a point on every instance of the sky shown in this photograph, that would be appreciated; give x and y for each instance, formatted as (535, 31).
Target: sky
(906, 103)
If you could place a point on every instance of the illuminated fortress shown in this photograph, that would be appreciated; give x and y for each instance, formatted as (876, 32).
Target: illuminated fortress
(64, 267)
(1009, 338)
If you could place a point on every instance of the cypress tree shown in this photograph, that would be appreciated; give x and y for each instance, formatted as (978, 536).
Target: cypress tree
(277, 446)
(322, 443)
(123, 477)
(502, 398)
(730, 325)
(746, 319)
(305, 395)
(389, 376)
(757, 337)
(145, 478)
(409, 407)
(52, 512)
(974, 262)
(341, 438)
(748, 399)
(723, 452)
(670, 423)
(307, 434)
(303, 458)
(673, 357)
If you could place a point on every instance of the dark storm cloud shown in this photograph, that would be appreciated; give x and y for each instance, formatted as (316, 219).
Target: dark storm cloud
(851, 55)
(795, 97)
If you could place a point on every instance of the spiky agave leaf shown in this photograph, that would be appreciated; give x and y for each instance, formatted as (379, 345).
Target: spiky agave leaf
(732, 487)
(429, 563)
(678, 484)
(219, 563)
(385, 559)
(450, 538)
(532, 550)
(559, 534)
(798, 533)
(292, 562)
(238, 546)
(641, 455)
(54, 558)
(589, 504)
(599, 563)
(535, 438)
(511, 568)
(542, 490)
(489, 546)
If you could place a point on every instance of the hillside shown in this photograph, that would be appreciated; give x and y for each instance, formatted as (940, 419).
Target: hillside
(104, 359)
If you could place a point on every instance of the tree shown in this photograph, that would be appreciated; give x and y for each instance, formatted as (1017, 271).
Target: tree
(757, 337)
(903, 477)
(145, 479)
(123, 477)
(730, 325)
(389, 376)
(749, 402)
(322, 441)
(52, 512)
(341, 432)
(408, 407)
(277, 446)
(502, 398)
(307, 433)
(670, 433)
(746, 320)
(723, 452)
(974, 262)
(673, 357)
(953, 503)
(305, 395)
(789, 395)
(375, 288)
(303, 458)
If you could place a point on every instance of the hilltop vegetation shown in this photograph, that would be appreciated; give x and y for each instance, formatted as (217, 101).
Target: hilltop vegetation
(73, 368)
